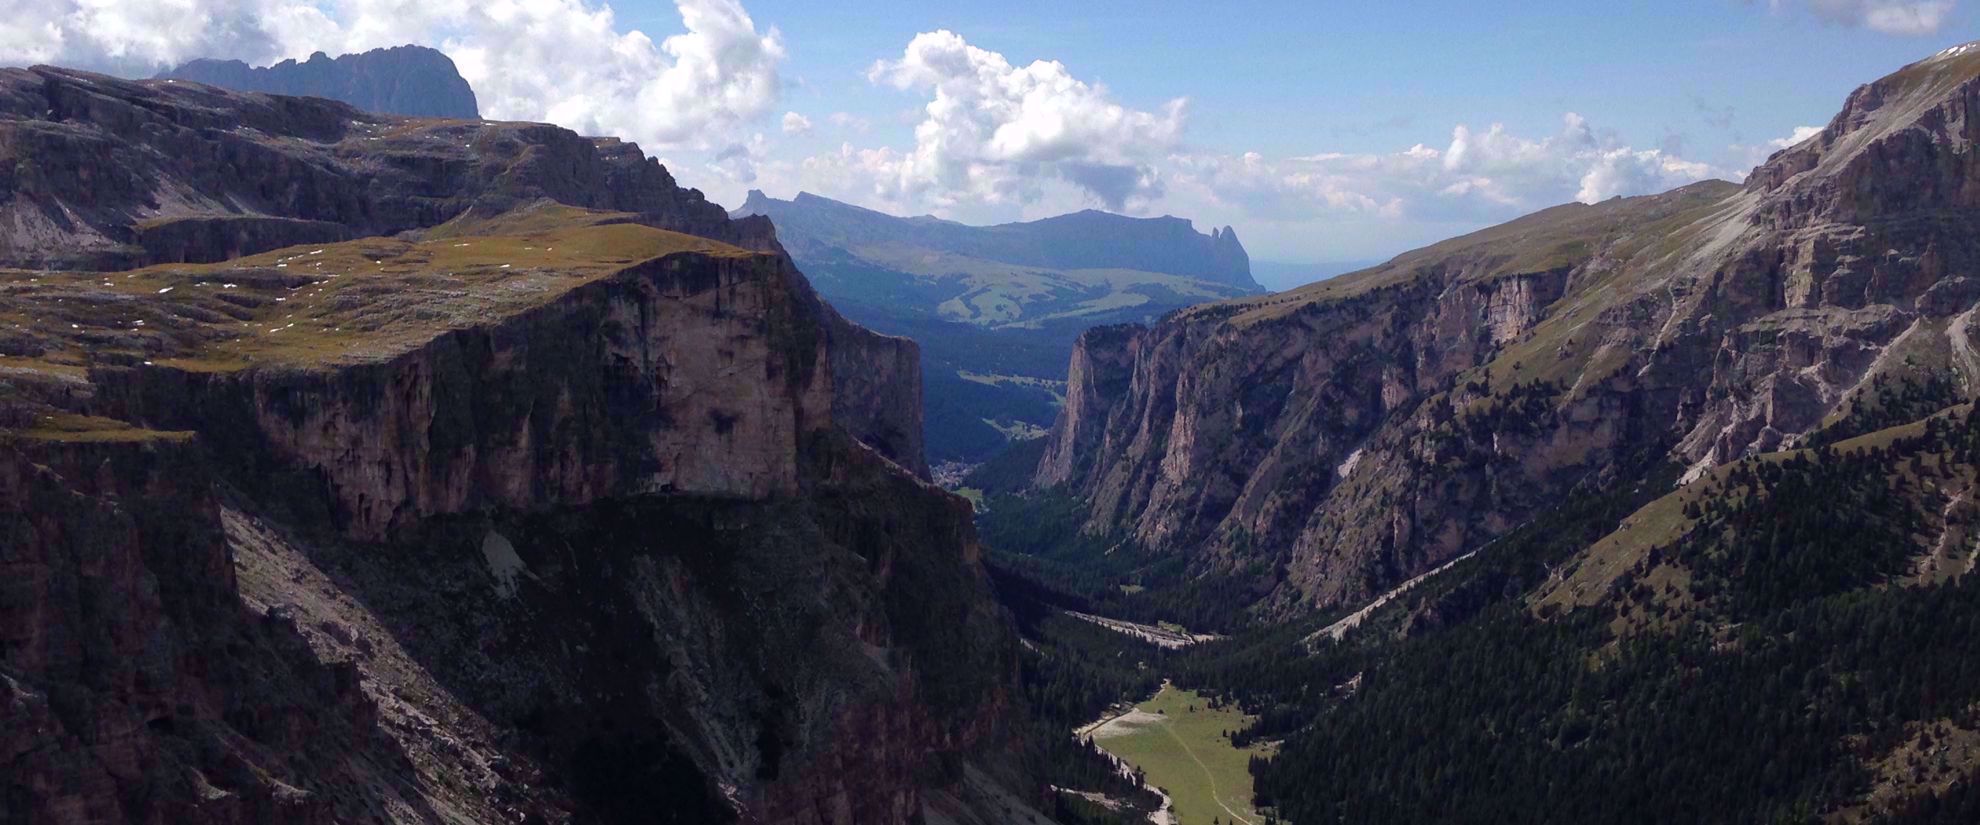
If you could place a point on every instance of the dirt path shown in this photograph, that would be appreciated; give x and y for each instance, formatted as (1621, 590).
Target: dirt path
(1340, 629)
(1158, 636)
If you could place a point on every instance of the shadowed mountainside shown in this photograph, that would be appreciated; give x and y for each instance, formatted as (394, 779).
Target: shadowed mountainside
(568, 501)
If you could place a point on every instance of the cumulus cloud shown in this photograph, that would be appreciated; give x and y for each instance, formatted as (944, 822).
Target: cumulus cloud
(998, 133)
(796, 124)
(738, 161)
(1800, 134)
(1481, 175)
(1756, 154)
(1904, 17)
(563, 61)
(851, 122)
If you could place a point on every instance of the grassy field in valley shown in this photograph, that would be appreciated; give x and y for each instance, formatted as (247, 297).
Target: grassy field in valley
(1185, 753)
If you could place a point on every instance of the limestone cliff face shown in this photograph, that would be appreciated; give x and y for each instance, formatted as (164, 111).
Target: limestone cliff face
(681, 375)
(548, 514)
(1357, 431)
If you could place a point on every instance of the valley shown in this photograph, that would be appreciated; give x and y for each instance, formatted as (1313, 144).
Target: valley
(363, 459)
(1541, 523)
(996, 308)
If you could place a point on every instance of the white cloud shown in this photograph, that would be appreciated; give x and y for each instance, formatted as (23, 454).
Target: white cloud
(1800, 134)
(738, 162)
(562, 61)
(1756, 154)
(1905, 17)
(796, 124)
(851, 122)
(1480, 176)
(1000, 133)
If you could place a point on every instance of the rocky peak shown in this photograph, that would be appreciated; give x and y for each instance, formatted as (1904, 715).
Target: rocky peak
(402, 80)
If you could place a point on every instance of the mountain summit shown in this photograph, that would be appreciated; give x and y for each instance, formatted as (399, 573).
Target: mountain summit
(403, 80)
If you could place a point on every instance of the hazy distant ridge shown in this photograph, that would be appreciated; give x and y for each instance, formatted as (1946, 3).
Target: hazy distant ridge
(1082, 240)
(403, 80)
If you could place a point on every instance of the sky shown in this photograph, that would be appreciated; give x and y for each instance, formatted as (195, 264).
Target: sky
(1321, 131)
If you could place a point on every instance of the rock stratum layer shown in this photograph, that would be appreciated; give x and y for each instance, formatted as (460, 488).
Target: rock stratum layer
(567, 504)
(1341, 437)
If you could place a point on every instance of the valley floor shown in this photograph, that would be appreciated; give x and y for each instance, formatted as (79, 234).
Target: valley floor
(1183, 747)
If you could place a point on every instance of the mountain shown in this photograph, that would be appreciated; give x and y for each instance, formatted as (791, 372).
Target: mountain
(1658, 509)
(1088, 239)
(1015, 274)
(530, 488)
(402, 80)
(996, 308)
(1342, 437)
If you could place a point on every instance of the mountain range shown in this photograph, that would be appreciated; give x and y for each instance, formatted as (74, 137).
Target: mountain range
(359, 466)
(996, 308)
(403, 80)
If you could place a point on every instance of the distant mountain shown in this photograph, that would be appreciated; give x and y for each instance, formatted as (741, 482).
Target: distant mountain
(997, 308)
(1082, 240)
(403, 80)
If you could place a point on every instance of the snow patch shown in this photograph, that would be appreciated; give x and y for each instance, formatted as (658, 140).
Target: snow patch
(1348, 466)
(1956, 51)
(503, 562)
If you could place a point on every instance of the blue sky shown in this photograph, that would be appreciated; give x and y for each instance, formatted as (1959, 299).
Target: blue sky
(1362, 77)
(1321, 131)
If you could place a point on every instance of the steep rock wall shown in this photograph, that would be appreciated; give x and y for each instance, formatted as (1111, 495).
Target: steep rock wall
(1355, 432)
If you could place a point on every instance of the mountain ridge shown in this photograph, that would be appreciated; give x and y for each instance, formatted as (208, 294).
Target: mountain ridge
(1215, 256)
(400, 80)
(1382, 422)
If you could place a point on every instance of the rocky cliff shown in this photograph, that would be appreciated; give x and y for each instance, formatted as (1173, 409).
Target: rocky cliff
(1351, 433)
(403, 80)
(539, 512)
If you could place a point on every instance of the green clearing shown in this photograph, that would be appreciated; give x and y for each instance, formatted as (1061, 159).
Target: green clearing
(1185, 753)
